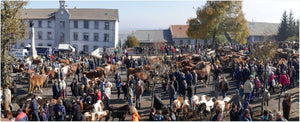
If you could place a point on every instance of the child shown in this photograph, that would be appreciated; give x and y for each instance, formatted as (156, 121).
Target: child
(241, 91)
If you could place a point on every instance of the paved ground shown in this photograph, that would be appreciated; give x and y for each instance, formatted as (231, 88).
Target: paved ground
(146, 99)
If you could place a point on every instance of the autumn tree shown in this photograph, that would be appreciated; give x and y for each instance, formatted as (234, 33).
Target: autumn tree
(218, 18)
(131, 42)
(12, 30)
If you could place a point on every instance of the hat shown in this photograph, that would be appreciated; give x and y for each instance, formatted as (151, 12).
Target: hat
(251, 76)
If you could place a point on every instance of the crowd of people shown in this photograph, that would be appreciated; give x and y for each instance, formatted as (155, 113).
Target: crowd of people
(249, 79)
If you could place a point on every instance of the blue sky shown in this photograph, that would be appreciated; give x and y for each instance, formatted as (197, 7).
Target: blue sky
(137, 15)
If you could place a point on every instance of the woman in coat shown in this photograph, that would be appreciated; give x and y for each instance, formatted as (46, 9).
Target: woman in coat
(286, 105)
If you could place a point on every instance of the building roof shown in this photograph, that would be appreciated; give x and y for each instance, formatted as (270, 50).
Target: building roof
(76, 13)
(255, 28)
(263, 28)
(179, 31)
(150, 36)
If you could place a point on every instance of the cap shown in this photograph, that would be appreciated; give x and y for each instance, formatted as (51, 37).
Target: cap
(251, 76)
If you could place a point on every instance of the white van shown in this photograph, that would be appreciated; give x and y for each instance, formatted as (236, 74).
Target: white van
(19, 54)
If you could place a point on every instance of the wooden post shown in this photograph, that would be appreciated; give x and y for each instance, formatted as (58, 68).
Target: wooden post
(279, 102)
(152, 97)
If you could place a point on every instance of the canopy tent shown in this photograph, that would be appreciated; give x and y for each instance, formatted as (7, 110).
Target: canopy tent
(67, 47)
(96, 53)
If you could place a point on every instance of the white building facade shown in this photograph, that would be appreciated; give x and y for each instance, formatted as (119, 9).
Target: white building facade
(84, 29)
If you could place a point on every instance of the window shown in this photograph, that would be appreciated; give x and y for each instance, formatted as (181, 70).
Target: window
(40, 44)
(49, 35)
(49, 24)
(50, 45)
(95, 47)
(85, 36)
(189, 42)
(75, 36)
(86, 24)
(106, 37)
(85, 48)
(62, 36)
(96, 24)
(75, 24)
(96, 36)
(40, 35)
(181, 42)
(62, 24)
(106, 25)
(40, 23)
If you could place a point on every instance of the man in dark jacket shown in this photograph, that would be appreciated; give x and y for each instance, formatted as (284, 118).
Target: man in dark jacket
(246, 116)
(139, 92)
(190, 93)
(55, 90)
(172, 92)
(60, 111)
(35, 109)
(246, 74)
(152, 115)
(195, 80)
(234, 113)
(76, 111)
(189, 78)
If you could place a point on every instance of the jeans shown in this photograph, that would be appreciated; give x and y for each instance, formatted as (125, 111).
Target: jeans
(271, 87)
(172, 98)
(283, 88)
(252, 94)
(130, 101)
(223, 94)
(119, 92)
(138, 101)
(35, 116)
(217, 94)
(247, 96)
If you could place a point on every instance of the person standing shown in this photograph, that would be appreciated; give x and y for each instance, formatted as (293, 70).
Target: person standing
(76, 111)
(60, 111)
(43, 115)
(190, 93)
(139, 90)
(195, 80)
(183, 89)
(63, 88)
(130, 95)
(248, 88)
(236, 99)
(55, 90)
(107, 93)
(35, 109)
(46, 108)
(234, 113)
(224, 87)
(257, 86)
(217, 86)
(118, 85)
(292, 75)
(286, 105)
(172, 92)
(272, 82)
(283, 81)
